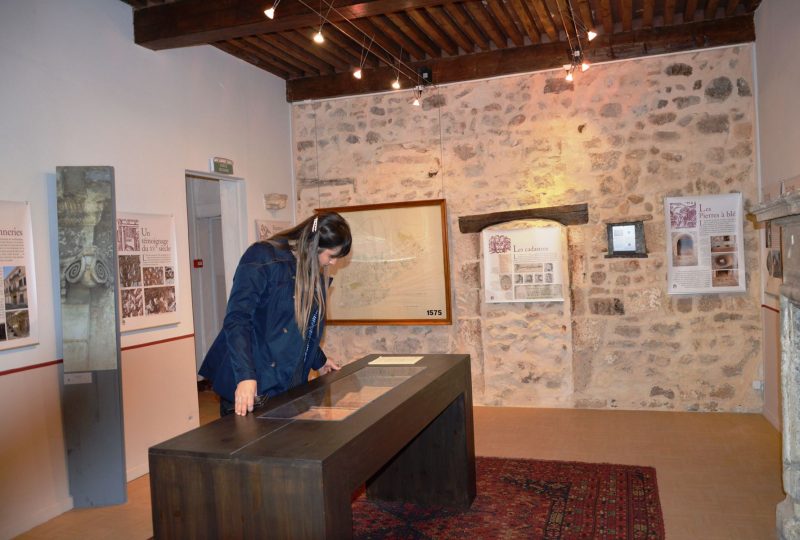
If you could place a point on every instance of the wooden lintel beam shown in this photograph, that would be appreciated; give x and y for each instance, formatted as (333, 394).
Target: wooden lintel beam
(570, 214)
(635, 44)
(197, 22)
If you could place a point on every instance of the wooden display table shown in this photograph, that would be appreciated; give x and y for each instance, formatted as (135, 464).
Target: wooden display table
(289, 470)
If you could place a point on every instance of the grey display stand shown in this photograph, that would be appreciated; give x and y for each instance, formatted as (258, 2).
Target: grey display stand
(92, 393)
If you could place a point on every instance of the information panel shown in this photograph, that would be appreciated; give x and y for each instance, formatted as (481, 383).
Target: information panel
(705, 244)
(148, 273)
(523, 265)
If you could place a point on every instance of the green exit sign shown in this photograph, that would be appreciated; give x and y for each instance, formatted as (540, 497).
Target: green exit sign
(222, 165)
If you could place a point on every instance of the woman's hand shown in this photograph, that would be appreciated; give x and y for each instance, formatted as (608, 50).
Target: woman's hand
(245, 396)
(328, 367)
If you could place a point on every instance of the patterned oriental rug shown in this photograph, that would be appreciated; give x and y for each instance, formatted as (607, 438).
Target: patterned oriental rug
(522, 498)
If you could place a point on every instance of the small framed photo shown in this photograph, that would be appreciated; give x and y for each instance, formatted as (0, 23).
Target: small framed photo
(626, 240)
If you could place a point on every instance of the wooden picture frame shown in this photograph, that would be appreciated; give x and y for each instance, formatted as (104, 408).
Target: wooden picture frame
(398, 270)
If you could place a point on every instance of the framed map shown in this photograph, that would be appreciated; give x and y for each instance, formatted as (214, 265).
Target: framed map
(398, 270)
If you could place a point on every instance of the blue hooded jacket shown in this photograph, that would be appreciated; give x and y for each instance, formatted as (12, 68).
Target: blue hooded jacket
(260, 338)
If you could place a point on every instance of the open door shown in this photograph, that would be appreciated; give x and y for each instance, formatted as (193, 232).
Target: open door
(217, 217)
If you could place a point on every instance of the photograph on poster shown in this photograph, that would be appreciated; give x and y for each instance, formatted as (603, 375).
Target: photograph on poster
(683, 249)
(132, 303)
(18, 308)
(130, 271)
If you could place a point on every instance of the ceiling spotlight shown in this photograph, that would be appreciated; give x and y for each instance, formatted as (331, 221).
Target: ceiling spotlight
(357, 73)
(591, 34)
(318, 37)
(396, 83)
(569, 76)
(270, 12)
(417, 95)
(585, 66)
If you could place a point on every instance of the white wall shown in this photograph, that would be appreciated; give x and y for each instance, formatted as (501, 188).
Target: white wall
(76, 90)
(777, 52)
(778, 78)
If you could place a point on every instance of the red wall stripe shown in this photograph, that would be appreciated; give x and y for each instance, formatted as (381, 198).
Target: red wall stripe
(34, 366)
(157, 342)
(61, 361)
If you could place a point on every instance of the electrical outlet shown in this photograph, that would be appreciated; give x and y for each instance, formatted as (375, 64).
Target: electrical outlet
(758, 385)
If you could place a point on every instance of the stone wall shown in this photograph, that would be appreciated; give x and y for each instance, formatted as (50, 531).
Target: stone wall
(620, 138)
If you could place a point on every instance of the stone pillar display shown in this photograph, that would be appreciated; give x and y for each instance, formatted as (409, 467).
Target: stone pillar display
(785, 212)
(92, 393)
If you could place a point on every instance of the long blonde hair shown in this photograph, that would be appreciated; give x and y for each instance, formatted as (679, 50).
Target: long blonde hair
(307, 240)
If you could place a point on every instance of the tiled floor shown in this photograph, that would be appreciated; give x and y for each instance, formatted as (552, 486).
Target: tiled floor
(719, 475)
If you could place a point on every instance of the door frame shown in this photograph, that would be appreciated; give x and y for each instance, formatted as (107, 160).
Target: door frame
(234, 231)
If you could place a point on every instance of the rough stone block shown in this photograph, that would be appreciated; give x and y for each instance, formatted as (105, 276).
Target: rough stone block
(679, 69)
(628, 331)
(658, 391)
(606, 306)
(709, 303)
(719, 89)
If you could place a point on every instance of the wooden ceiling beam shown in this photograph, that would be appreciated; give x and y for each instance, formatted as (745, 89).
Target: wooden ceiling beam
(302, 39)
(634, 44)
(422, 20)
(390, 30)
(669, 12)
(546, 21)
(289, 48)
(731, 9)
(267, 58)
(405, 25)
(498, 11)
(260, 61)
(751, 5)
(526, 19)
(626, 11)
(711, 9)
(606, 17)
(295, 57)
(446, 24)
(197, 22)
(457, 13)
(486, 23)
(648, 10)
(347, 48)
(386, 48)
(689, 10)
(586, 14)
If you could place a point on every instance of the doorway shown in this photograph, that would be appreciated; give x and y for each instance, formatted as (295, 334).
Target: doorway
(217, 214)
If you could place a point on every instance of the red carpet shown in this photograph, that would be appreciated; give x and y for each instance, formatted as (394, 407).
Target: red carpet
(521, 498)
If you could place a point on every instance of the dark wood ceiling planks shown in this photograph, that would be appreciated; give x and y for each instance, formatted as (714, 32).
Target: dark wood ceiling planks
(454, 40)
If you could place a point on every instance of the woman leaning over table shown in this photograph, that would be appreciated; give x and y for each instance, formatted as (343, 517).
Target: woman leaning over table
(270, 339)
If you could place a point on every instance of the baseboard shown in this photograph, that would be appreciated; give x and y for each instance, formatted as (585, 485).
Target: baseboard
(30, 520)
(772, 418)
(137, 470)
